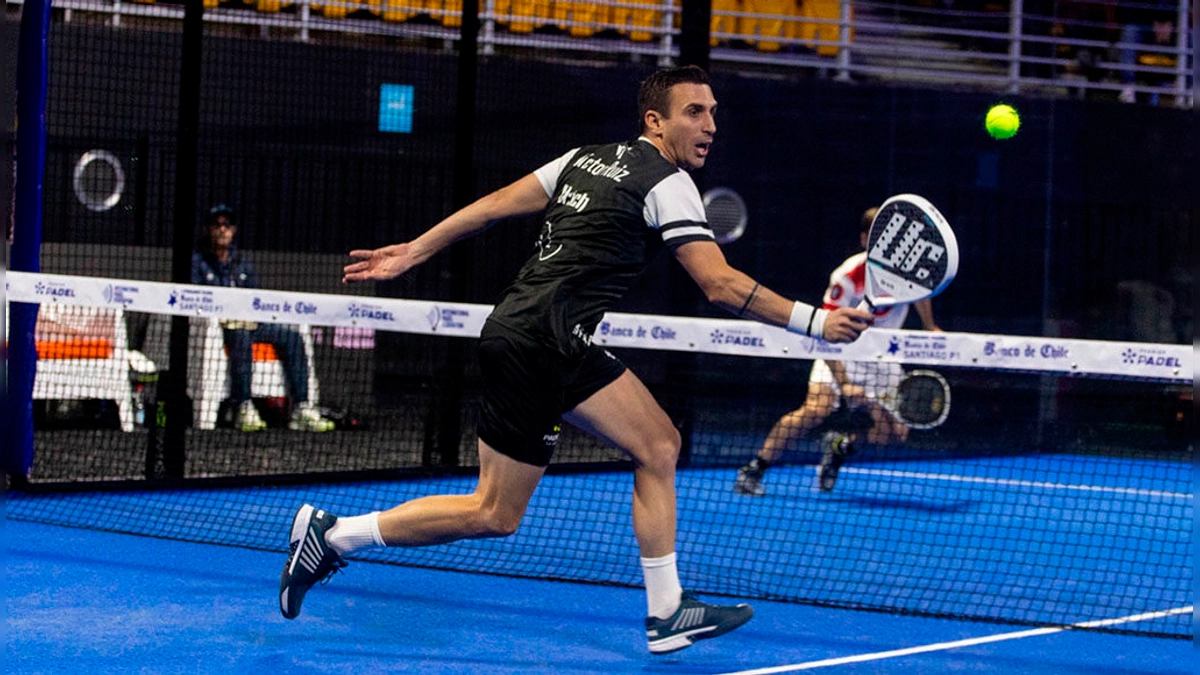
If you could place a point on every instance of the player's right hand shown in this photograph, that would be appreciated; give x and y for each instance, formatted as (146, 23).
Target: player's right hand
(845, 324)
(381, 263)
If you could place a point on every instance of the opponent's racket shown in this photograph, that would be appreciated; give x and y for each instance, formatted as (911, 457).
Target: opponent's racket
(922, 399)
(726, 213)
(912, 253)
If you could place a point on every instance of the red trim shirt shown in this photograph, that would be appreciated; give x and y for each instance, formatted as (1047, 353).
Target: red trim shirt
(847, 286)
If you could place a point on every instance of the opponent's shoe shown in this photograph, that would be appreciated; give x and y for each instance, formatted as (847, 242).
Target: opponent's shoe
(307, 418)
(749, 482)
(246, 418)
(694, 620)
(310, 559)
(837, 448)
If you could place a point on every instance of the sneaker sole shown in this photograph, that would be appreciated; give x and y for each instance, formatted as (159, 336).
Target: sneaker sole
(678, 642)
(302, 427)
(300, 525)
(689, 638)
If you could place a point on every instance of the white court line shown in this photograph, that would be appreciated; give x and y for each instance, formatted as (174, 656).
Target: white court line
(1017, 483)
(970, 642)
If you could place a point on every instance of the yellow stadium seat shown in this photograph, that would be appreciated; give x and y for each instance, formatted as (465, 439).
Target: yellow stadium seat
(644, 15)
(773, 21)
(397, 10)
(338, 9)
(453, 17)
(583, 15)
(723, 23)
(269, 5)
(829, 12)
(523, 16)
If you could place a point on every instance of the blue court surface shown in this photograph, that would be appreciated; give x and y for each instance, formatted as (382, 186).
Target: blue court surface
(83, 601)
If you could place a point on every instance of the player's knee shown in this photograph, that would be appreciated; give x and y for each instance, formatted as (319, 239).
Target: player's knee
(663, 451)
(495, 522)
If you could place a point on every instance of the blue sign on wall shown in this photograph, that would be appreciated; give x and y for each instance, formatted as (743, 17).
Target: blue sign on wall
(396, 108)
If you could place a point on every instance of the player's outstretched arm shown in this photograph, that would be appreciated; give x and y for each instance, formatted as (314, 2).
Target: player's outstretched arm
(736, 292)
(520, 198)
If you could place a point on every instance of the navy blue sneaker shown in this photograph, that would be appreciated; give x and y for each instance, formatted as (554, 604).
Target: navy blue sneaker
(310, 560)
(749, 482)
(694, 620)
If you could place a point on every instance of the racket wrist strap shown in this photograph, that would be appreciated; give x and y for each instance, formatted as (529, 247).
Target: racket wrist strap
(808, 320)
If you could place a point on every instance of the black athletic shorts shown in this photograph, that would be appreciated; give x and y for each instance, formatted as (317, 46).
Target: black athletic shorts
(527, 388)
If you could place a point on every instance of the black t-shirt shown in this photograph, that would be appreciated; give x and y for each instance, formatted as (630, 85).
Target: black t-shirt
(612, 208)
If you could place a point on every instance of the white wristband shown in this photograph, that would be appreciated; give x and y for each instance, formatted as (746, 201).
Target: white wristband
(808, 320)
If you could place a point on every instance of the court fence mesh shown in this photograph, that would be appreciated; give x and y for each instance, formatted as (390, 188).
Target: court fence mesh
(1057, 490)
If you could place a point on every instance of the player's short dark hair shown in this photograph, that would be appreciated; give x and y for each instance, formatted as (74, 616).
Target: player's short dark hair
(868, 217)
(655, 91)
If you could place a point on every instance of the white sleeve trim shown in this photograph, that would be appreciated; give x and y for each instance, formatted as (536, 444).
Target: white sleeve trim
(673, 200)
(548, 173)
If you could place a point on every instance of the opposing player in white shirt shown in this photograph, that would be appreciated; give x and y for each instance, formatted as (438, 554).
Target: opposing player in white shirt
(858, 385)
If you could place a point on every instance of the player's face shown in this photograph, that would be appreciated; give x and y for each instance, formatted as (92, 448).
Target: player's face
(220, 232)
(688, 130)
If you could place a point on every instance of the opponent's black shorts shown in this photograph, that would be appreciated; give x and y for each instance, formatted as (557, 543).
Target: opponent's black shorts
(527, 388)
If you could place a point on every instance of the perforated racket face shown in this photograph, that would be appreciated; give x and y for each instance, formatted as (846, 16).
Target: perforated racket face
(726, 213)
(924, 399)
(912, 253)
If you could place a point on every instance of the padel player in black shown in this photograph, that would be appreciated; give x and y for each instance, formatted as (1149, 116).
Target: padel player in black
(607, 210)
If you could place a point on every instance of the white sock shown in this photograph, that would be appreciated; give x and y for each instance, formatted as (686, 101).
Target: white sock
(663, 592)
(355, 533)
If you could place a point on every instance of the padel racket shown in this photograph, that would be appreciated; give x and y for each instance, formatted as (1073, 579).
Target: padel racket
(726, 214)
(912, 253)
(922, 399)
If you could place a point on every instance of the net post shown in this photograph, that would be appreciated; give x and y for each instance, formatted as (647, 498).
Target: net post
(169, 456)
(26, 232)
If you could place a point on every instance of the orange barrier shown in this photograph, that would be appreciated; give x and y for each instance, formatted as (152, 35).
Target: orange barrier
(75, 349)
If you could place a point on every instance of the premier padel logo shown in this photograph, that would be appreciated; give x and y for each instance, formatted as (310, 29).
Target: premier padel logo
(1135, 357)
(720, 337)
(53, 290)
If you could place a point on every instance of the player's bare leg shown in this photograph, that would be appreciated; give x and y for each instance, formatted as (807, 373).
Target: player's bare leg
(318, 539)
(887, 429)
(495, 508)
(818, 405)
(625, 414)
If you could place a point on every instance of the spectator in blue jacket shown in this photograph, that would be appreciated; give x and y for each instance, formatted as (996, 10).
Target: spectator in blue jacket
(217, 262)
